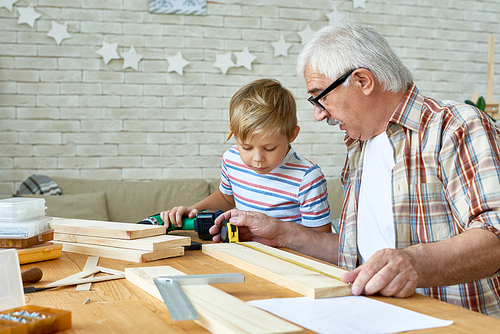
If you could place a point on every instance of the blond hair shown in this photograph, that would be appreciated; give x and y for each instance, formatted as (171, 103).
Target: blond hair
(262, 107)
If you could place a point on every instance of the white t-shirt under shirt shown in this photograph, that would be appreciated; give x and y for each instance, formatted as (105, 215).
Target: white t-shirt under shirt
(294, 191)
(375, 219)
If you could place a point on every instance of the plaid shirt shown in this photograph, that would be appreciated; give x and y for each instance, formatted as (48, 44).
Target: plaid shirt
(446, 180)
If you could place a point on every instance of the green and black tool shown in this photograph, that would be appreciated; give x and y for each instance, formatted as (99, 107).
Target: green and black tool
(203, 221)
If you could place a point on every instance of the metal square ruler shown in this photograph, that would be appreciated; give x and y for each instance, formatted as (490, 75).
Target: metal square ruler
(177, 303)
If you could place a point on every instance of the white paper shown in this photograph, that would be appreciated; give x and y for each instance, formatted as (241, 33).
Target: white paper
(352, 314)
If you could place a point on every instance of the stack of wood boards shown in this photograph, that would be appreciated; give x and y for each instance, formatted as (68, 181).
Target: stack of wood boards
(122, 241)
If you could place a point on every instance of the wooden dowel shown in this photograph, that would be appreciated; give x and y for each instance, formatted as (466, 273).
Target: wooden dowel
(491, 69)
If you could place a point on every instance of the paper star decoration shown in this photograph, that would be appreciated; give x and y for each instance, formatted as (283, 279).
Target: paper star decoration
(281, 47)
(306, 34)
(359, 3)
(131, 59)
(7, 4)
(334, 16)
(108, 52)
(59, 32)
(244, 58)
(224, 62)
(28, 15)
(177, 63)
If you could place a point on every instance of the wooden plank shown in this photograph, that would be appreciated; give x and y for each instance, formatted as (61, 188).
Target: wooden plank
(98, 228)
(219, 312)
(154, 243)
(43, 252)
(281, 272)
(491, 69)
(131, 255)
(89, 264)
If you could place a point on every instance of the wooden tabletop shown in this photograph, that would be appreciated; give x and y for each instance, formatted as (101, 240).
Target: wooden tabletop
(119, 306)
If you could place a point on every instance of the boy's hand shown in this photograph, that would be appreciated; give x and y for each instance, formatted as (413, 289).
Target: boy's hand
(175, 215)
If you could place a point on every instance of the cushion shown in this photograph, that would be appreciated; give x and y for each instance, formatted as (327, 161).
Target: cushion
(80, 206)
(132, 201)
(335, 197)
(214, 185)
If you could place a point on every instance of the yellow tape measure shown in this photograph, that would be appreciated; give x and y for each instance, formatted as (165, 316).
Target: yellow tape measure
(229, 232)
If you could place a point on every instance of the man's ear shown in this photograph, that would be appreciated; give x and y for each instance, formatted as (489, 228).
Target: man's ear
(364, 80)
(295, 134)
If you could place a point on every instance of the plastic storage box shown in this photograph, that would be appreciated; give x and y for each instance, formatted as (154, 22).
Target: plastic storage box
(13, 308)
(25, 228)
(21, 208)
(11, 283)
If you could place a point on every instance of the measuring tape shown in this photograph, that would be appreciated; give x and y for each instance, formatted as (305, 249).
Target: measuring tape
(229, 234)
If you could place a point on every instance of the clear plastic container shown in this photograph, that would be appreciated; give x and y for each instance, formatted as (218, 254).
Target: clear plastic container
(11, 284)
(25, 229)
(21, 208)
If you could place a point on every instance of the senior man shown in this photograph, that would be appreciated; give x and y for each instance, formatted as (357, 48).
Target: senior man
(421, 181)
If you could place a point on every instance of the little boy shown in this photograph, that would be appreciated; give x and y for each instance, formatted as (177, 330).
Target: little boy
(263, 172)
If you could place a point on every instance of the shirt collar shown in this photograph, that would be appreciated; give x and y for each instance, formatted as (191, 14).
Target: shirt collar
(409, 110)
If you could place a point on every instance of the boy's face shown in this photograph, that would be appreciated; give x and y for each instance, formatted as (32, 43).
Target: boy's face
(263, 154)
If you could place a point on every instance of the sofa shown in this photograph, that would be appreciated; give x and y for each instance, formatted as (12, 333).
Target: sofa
(132, 201)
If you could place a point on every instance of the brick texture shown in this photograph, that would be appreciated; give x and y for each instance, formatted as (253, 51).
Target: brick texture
(63, 112)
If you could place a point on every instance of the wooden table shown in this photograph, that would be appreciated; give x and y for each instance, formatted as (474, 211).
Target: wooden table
(119, 306)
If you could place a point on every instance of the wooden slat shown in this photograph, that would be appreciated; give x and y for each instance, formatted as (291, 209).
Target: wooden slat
(219, 312)
(491, 69)
(89, 264)
(281, 272)
(105, 229)
(87, 276)
(131, 255)
(155, 243)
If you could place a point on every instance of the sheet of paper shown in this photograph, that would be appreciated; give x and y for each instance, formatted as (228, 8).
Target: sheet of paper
(352, 314)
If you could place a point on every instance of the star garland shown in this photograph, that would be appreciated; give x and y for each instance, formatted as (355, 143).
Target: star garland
(59, 32)
(28, 15)
(7, 4)
(177, 63)
(131, 59)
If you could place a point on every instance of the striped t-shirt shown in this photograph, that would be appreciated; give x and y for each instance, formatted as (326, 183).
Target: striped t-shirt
(294, 191)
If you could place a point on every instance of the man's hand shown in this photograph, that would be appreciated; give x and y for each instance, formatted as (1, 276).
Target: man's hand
(253, 226)
(270, 231)
(390, 272)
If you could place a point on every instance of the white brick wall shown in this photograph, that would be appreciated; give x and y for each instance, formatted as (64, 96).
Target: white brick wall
(64, 112)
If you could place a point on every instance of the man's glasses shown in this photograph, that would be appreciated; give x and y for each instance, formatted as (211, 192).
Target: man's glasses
(315, 100)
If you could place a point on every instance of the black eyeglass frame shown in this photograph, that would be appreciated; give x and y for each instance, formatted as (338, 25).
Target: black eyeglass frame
(315, 100)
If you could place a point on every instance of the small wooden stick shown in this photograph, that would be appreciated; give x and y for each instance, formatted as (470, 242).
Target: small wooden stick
(83, 277)
(491, 69)
(91, 263)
